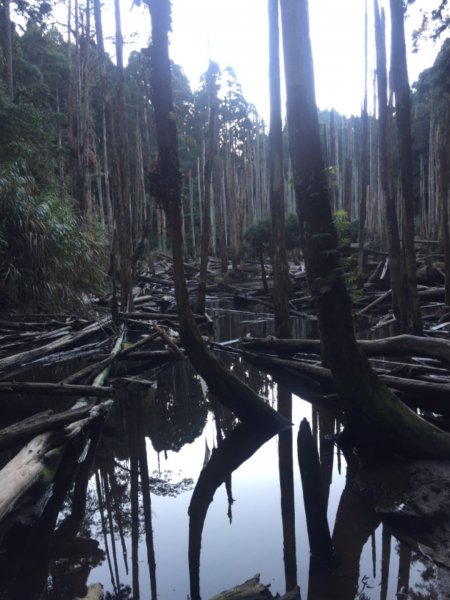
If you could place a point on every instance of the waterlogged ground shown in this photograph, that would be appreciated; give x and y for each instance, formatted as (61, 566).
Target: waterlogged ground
(120, 521)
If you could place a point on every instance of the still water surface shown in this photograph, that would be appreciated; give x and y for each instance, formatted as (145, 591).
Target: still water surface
(170, 428)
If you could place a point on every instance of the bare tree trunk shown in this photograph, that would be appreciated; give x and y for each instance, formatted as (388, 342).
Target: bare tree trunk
(281, 281)
(123, 185)
(210, 157)
(219, 202)
(443, 190)
(399, 77)
(232, 392)
(192, 215)
(7, 48)
(385, 157)
(378, 421)
(365, 165)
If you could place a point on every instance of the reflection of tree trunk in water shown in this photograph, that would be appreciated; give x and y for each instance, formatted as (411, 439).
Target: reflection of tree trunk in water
(117, 509)
(104, 529)
(147, 503)
(355, 522)
(72, 523)
(385, 561)
(315, 508)
(403, 570)
(235, 449)
(130, 420)
(221, 426)
(109, 515)
(326, 449)
(286, 471)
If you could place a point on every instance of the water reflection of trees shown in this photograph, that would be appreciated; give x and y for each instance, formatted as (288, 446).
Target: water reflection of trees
(51, 556)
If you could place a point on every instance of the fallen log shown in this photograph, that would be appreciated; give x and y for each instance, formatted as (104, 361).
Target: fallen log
(29, 355)
(39, 460)
(158, 316)
(26, 387)
(400, 345)
(20, 433)
(428, 396)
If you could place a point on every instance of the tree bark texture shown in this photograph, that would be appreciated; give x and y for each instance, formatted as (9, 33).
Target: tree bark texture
(375, 416)
(386, 175)
(281, 280)
(399, 78)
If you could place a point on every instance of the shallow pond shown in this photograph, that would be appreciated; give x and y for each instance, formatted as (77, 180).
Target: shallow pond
(121, 505)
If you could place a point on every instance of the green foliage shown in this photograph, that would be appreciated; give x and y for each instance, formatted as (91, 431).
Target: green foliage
(343, 227)
(258, 235)
(48, 256)
(349, 263)
(292, 232)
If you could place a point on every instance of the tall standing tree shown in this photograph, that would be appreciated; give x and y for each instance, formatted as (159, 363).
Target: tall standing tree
(376, 418)
(400, 83)
(122, 185)
(396, 263)
(166, 187)
(280, 294)
(211, 151)
(279, 255)
(364, 184)
(7, 48)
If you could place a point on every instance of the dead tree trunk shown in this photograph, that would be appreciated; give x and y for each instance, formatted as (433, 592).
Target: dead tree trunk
(375, 416)
(7, 49)
(232, 392)
(365, 165)
(122, 182)
(387, 184)
(281, 281)
(210, 160)
(399, 77)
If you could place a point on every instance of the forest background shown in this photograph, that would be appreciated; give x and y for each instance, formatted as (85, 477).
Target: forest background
(78, 153)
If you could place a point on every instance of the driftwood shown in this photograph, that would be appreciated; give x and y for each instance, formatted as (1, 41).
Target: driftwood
(252, 589)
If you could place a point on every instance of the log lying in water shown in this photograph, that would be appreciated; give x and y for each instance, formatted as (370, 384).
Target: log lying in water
(68, 340)
(40, 423)
(409, 345)
(427, 395)
(252, 589)
(63, 389)
(38, 460)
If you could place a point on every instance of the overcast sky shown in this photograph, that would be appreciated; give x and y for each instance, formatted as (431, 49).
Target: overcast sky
(234, 33)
